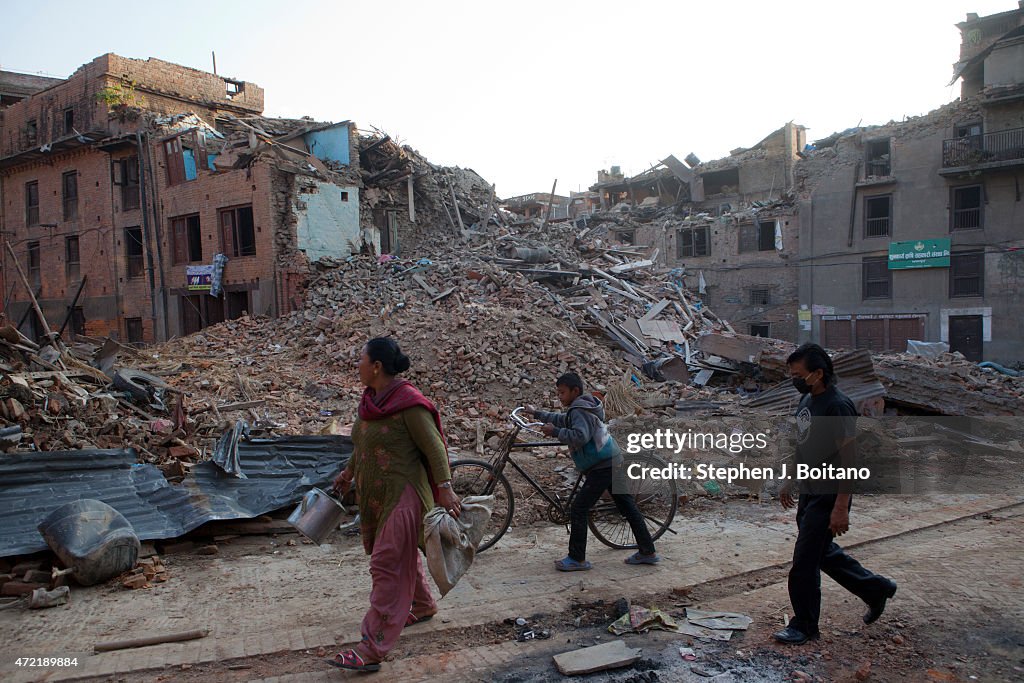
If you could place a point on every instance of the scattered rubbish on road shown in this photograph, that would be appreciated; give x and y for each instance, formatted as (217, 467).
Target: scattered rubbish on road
(42, 598)
(641, 620)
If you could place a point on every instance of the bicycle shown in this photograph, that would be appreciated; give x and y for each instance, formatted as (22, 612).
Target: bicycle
(656, 498)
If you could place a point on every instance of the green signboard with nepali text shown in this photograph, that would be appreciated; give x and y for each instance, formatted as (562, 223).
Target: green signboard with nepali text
(919, 254)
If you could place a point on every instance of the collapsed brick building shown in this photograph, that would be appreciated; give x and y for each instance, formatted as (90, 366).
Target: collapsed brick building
(146, 200)
(734, 227)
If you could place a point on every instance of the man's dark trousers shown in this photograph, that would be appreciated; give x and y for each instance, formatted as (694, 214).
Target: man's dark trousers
(816, 552)
(595, 483)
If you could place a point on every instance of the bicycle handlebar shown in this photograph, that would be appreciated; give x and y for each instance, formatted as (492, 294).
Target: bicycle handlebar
(519, 420)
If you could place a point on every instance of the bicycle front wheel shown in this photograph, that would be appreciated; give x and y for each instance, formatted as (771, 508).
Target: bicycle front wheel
(478, 478)
(656, 499)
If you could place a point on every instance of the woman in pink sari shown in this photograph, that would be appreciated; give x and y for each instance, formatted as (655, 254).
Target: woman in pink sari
(399, 467)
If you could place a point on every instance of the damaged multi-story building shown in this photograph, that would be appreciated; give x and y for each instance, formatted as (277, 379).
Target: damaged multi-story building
(145, 200)
(912, 230)
(733, 227)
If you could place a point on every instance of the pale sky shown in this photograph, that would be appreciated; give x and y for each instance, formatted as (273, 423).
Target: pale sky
(525, 92)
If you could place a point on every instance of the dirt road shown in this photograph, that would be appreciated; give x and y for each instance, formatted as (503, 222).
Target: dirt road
(271, 606)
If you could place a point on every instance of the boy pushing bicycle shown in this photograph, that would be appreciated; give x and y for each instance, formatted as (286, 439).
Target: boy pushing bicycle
(593, 451)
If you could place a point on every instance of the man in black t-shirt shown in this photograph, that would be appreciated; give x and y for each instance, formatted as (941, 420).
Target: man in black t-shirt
(826, 423)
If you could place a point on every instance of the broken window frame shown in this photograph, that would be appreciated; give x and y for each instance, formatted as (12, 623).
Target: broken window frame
(186, 239)
(687, 243)
(69, 194)
(966, 218)
(721, 184)
(125, 174)
(72, 258)
(871, 269)
(626, 237)
(873, 225)
(233, 235)
(135, 262)
(32, 203)
(174, 155)
(34, 265)
(875, 163)
(69, 121)
(238, 88)
(32, 131)
(960, 283)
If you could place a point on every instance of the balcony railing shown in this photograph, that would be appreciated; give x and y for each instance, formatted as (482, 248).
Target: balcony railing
(1006, 145)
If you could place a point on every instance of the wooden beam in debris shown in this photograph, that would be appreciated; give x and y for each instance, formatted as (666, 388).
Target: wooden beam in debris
(32, 295)
(551, 201)
(656, 310)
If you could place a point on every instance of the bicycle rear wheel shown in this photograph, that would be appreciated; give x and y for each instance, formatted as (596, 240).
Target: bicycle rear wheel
(478, 478)
(656, 499)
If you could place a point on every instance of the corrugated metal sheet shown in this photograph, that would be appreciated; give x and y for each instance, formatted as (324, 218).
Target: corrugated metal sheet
(278, 472)
(856, 378)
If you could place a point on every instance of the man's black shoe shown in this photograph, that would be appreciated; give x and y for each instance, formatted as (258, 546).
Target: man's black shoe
(792, 636)
(876, 608)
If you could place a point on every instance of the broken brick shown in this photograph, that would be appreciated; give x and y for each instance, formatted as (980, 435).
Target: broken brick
(135, 581)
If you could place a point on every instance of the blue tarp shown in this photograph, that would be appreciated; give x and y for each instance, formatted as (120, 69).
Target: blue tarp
(278, 472)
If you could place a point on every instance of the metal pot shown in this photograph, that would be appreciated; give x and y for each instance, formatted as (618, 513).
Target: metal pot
(317, 515)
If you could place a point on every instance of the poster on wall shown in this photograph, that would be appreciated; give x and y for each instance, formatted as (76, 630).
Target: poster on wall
(199, 278)
(804, 316)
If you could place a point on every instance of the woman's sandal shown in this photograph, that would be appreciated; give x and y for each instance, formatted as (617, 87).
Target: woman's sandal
(350, 659)
(413, 619)
(568, 564)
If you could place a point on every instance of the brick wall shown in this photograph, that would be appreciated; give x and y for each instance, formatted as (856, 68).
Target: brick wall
(93, 227)
(161, 87)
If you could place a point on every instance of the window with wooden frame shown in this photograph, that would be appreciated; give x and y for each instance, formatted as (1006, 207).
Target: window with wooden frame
(184, 155)
(126, 176)
(69, 121)
(877, 216)
(967, 274)
(133, 252)
(877, 278)
(72, 262)
(34, 265)
(32, 203)
(69, 191)
(757, 236)
(967, 204)
(187, 239)
(692, 242)
(237, 232)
